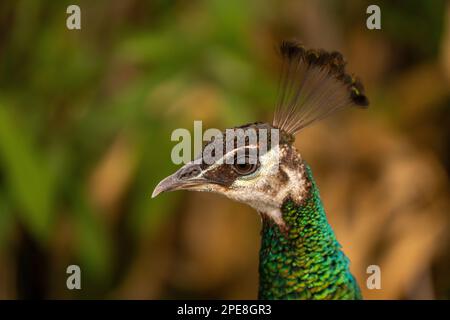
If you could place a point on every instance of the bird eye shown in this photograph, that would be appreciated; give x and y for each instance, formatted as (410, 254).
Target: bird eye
(245, 168)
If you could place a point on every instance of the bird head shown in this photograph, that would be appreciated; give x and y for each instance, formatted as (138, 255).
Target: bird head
(257, 163)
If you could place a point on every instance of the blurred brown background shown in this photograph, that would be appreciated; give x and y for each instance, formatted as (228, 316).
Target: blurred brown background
(85, 124)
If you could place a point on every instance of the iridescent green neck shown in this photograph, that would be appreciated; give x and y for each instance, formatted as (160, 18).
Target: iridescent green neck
(304, 261)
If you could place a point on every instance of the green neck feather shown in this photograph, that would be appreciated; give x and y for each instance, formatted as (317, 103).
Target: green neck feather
(305, 261)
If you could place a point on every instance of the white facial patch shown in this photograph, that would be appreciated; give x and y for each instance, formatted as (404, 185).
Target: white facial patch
(268, 187)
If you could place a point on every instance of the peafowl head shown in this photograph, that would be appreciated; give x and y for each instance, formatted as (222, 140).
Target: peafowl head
(257, 163)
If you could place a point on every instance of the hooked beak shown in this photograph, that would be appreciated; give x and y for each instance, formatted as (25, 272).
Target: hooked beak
(184, 179)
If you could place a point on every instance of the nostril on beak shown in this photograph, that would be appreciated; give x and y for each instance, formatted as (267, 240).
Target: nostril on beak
(189, 172)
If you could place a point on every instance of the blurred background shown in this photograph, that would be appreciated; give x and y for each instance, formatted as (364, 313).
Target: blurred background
(85, 123)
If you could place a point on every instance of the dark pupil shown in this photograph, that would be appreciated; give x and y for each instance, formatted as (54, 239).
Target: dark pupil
(244, 167)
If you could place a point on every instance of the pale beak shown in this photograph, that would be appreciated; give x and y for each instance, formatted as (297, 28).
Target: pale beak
(184, 179)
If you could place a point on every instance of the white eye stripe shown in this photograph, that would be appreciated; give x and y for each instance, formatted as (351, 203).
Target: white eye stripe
(229, 155)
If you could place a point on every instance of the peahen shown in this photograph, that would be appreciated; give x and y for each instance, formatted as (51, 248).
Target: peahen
(300, 257)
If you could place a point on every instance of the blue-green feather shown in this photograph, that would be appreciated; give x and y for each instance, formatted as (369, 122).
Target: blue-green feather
(304, 260)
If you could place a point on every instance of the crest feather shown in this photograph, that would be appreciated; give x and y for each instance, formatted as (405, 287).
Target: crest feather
(313, 85)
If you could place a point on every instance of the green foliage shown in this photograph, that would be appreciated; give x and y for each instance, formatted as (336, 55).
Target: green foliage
(67, 95)
(29, 181)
